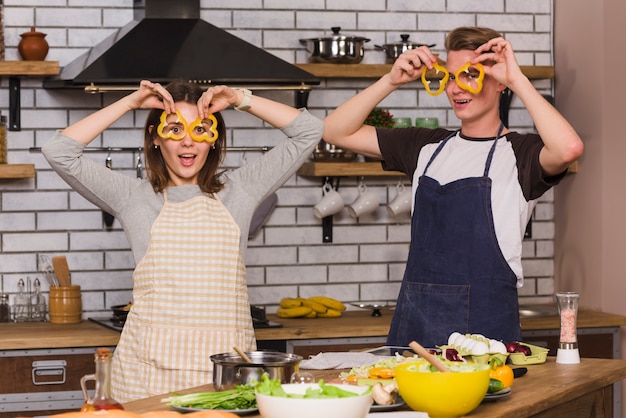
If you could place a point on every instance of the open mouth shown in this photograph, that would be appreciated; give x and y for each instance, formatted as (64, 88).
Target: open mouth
(187, 159)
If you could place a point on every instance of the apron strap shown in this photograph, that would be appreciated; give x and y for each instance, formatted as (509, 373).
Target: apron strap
(492, 150)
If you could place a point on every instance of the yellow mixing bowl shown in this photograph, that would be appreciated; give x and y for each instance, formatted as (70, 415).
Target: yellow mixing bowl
(442, 394)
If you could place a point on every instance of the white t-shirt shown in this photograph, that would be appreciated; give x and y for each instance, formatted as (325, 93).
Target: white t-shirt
(517, 177)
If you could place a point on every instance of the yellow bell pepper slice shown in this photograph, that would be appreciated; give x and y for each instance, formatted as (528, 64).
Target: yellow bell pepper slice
(178, 134)
(204, 136)
(442, 83)
(171, 133)
(478, 81)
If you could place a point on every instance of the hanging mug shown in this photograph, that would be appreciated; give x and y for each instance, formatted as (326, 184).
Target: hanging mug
(367, 202)
(402, 202)
(331, 202)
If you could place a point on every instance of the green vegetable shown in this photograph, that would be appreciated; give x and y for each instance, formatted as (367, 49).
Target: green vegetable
(495, 385)
(242, 397)
(273, 387)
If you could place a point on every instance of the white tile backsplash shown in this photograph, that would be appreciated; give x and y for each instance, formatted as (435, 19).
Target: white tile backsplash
(287, 257)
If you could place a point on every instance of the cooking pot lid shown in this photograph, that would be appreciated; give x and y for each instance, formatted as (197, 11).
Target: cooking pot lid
(336, 36)
(405, 42)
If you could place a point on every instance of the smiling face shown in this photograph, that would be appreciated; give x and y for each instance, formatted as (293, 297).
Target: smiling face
(183, 158)
(472, 108)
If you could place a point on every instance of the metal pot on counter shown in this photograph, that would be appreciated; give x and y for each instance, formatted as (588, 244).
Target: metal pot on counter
(394, 50)
(230, 369)
(337, 48)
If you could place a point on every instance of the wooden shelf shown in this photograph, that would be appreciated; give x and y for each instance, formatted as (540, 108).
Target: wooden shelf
(32, 68)
(17, 69)
(345, 169)
(378, 70)
(17, 171)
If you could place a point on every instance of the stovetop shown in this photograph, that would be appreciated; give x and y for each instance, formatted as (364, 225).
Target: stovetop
(258, 320)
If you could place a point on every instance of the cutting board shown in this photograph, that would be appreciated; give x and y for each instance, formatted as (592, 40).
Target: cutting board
(61, 270)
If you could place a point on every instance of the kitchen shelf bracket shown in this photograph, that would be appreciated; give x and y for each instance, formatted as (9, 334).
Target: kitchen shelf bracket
(327, 221)
(14, 104)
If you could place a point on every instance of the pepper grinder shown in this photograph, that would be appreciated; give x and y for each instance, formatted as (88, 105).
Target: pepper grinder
(567, 353)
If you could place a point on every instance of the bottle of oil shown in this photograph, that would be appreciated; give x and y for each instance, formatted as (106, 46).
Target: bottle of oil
(5, 309)
(3, 139)
(102, 399)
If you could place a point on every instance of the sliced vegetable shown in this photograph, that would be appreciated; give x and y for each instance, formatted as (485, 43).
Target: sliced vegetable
(428, 76)
(470, 77)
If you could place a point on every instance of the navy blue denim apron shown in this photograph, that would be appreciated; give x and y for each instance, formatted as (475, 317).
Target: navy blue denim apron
(456, 277)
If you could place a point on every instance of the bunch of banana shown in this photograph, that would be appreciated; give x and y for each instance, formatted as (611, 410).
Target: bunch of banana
(313, 307)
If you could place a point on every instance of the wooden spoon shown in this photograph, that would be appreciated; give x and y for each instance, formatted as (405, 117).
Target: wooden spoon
(61, 270)
(422, 352)
(243, 355)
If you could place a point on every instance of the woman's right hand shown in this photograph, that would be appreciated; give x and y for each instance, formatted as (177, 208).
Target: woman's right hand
(150, 96)
(410, 64)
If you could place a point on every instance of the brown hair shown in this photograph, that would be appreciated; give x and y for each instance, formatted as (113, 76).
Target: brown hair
(208, 178)
(469, 37)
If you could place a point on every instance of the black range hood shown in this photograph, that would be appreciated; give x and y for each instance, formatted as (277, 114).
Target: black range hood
(167, 41)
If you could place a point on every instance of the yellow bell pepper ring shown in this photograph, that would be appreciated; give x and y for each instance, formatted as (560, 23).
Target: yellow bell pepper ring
(171, 133)
(204, 136)
(468, 80)
(197, 131)
(442, 83)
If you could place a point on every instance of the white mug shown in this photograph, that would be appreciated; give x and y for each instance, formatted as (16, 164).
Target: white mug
(331, 202)
(402, 202)
(367, 202)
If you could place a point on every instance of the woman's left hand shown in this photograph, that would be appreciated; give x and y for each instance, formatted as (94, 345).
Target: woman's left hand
(505, 68)
(217, 98)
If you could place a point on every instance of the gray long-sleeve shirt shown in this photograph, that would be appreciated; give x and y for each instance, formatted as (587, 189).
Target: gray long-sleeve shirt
(136, 206)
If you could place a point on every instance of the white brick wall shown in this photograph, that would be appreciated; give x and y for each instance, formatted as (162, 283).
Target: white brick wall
(287, 258)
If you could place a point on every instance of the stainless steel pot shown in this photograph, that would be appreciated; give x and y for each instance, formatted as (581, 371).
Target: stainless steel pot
(337, 48)
(229, 369)
(394, 50)
(329, 152)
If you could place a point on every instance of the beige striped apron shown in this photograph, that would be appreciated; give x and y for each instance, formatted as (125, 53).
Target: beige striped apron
(190, 301)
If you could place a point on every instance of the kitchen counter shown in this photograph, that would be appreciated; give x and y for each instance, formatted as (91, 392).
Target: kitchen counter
(32, 335)
(547, 390)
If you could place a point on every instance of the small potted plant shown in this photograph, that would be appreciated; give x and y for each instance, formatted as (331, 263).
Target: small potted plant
(381, 118)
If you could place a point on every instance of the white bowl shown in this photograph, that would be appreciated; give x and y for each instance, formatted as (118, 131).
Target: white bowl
(280, 407)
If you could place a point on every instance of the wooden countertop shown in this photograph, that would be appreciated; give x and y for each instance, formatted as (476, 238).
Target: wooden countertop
(34, 335)
(362, 324)
(547, 390)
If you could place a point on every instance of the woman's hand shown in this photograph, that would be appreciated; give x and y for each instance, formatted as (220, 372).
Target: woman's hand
(151, 96)
(218, 98)
(499, 52)
(409, 66)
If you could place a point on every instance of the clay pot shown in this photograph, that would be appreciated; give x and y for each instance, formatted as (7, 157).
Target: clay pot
(33, 46)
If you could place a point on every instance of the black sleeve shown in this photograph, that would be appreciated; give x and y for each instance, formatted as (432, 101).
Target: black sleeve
(530, 174)
(400, 147)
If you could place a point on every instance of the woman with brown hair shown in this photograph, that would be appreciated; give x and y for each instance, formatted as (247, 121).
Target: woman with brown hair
(187, 225)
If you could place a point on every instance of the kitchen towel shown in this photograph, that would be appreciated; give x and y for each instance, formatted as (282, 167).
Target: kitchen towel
(325, 361)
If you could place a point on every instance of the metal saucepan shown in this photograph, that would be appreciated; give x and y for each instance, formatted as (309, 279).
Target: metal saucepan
(325, 152)
(394, 50)
(229, 369)
(337, 48)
